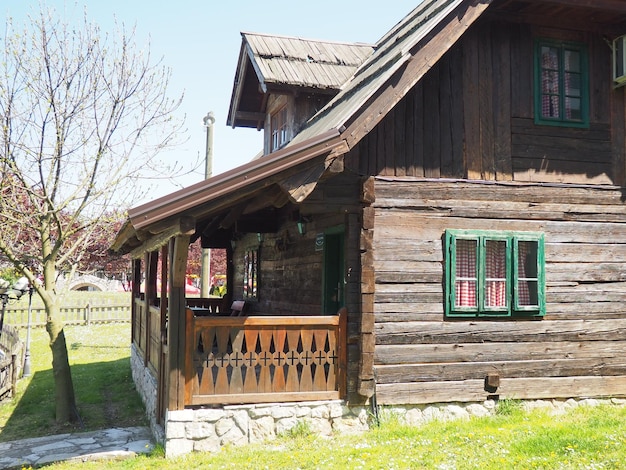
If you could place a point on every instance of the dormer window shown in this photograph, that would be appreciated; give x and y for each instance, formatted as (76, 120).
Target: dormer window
(280, 130)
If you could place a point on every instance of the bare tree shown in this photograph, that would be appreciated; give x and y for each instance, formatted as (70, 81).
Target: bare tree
(84, 115)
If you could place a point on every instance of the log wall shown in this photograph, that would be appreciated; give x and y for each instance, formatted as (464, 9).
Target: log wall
(471, 116)
(575, 350)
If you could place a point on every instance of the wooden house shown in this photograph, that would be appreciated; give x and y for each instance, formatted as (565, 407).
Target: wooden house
(438, 217)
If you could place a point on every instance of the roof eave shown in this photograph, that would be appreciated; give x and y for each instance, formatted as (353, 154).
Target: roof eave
(142, 217)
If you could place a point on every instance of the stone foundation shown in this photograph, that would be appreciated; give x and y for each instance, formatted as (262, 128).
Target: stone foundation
(146, 385)
(208, 429)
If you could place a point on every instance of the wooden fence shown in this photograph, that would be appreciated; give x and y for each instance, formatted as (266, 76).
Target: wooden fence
(11, 360)
(74, 315)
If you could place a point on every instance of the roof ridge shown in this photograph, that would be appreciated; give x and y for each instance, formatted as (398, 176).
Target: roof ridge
(299, 38)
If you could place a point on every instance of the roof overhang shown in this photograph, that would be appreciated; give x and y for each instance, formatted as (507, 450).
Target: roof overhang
(151, 220)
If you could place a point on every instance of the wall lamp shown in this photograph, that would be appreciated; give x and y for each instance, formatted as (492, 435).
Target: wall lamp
(301, 224)
(301, 227)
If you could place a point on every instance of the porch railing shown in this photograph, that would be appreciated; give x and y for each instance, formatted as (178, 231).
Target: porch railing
(148, 321)
(139, 324)
(260, 359)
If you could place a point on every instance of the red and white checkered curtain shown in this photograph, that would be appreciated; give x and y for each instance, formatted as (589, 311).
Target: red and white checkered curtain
(523, 292)
(549, 82)
(571, 65)
(495, 274)
(466, 272)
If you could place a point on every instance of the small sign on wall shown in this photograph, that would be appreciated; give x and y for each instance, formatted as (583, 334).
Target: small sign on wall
(319, 242)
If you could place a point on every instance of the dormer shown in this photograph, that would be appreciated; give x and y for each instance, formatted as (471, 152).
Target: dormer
(282, 81)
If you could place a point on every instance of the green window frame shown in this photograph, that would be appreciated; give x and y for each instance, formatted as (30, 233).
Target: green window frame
(494, 274)
(561, 84)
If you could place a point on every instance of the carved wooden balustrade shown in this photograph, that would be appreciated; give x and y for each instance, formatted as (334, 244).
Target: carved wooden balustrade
(259, 359)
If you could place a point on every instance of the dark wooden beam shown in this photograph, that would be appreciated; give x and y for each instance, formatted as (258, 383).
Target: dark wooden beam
(614, 6)
(250, 116)
(183, 225)
(234, 214)
(179, 248)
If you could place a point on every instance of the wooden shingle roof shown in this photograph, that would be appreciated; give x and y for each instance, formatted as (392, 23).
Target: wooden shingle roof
(302, 62)
(269, 62)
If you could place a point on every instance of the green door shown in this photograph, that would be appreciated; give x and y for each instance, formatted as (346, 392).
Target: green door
(334, 278)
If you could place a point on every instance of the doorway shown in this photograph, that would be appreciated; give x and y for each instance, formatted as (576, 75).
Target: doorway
(334, 271)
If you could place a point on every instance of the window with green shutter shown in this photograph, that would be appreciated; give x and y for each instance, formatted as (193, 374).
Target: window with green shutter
(494, 274)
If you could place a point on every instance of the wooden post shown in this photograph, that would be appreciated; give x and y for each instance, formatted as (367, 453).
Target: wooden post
(179, 247)
(152, 262)
(365, 382)
(136, 279)
(162, 376)
(14, 370)
(146, 309)
(342, 342)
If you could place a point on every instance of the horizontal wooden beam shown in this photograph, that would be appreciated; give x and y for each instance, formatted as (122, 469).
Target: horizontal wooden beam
(182, 226)
(616, 6)
(520, 388)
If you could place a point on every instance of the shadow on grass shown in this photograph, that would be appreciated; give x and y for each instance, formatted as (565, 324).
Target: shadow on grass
(105, 397)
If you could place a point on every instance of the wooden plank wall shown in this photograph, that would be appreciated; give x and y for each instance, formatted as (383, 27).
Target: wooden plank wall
(575, 350)
(472, 117)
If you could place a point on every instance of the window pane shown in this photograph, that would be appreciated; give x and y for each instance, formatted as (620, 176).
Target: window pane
(572, 84)
(572, 61)
(527, 281)
(549, 58)
(466, 273)
(495, 273)
(572, 108)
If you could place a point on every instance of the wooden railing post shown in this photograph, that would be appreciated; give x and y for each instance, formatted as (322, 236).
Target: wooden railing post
(14, 369)
(190, 343)
(342, 344)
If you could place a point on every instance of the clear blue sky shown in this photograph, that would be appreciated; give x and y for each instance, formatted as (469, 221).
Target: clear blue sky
(200, 41)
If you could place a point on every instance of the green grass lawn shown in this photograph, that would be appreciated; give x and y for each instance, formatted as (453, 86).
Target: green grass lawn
(105, 395)
(584, 437)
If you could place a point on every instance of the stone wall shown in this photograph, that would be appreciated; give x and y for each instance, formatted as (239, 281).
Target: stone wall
(146, 385)
(211, 428)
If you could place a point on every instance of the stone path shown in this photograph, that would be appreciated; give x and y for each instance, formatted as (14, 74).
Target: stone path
(114, 443)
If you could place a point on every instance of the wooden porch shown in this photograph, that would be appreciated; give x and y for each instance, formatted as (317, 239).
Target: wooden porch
(248, 359)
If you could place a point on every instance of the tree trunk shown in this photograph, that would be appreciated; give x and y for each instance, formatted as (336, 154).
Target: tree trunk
(66, 411)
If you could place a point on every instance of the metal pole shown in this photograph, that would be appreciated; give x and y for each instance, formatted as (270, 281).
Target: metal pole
(27, 353)
(205, 275)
